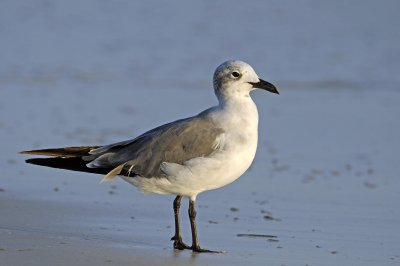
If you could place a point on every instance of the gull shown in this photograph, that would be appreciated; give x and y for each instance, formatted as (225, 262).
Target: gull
(185, 157)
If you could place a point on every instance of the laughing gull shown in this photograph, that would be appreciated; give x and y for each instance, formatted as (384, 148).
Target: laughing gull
(185, 157)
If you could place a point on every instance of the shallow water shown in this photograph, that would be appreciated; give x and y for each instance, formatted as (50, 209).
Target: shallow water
(325, 180)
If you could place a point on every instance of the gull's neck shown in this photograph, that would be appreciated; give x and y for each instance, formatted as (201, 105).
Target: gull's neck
(238, 108)
(236, 99)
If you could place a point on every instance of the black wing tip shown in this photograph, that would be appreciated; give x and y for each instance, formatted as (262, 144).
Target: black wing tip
(37, 161)
(69, 163)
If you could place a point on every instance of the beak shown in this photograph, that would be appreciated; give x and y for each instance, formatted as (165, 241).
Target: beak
(265, 85)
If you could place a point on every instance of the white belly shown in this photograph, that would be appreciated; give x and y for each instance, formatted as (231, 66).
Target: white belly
(203, 173)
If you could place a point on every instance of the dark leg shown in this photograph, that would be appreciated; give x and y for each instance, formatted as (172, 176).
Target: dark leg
(195, 241)
(178, 243)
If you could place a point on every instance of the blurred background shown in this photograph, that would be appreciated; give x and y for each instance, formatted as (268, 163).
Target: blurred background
(96, 72)
(307, 43)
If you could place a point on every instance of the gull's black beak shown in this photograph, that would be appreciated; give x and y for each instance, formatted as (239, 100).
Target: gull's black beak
(265, 85)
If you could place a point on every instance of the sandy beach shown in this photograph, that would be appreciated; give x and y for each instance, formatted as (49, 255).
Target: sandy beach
(323, 189)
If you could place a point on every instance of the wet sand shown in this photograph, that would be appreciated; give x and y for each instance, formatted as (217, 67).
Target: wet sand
(318, 201)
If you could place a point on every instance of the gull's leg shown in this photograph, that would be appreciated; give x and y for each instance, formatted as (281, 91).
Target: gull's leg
(195, 242)
(178, 243)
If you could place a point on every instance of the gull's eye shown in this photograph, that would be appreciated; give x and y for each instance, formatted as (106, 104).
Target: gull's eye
(235, 74)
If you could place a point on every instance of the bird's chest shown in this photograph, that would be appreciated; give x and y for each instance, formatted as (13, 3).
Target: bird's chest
(242, 145)
(232, 159)
(241, 131)
(239, 142)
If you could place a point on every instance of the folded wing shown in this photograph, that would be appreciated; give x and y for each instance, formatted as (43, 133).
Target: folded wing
(175, 142)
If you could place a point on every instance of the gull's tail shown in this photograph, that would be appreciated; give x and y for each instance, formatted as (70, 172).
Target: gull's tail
(70, 158)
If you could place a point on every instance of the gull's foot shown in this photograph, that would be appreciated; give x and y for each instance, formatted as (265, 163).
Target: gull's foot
(202, 250)
(178, 244)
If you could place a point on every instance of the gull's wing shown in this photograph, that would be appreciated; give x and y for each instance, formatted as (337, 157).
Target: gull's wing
(175, 142)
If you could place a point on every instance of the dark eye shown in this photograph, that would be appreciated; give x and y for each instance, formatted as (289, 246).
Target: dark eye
(235, 74)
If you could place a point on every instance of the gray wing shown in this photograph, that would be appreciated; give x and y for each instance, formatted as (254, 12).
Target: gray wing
(175, 142)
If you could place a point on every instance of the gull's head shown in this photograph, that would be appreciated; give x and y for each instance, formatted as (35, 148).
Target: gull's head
(236, 79)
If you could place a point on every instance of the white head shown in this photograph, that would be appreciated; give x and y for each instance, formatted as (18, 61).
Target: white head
(236, 79)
